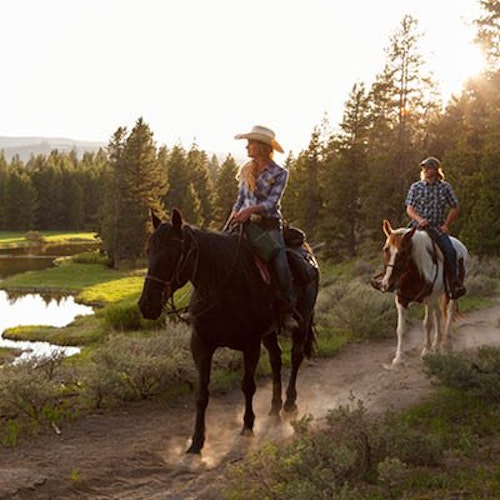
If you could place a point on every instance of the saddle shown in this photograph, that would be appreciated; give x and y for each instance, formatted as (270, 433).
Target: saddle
(303, 265)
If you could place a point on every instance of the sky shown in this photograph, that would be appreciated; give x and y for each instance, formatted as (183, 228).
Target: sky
(201, 71)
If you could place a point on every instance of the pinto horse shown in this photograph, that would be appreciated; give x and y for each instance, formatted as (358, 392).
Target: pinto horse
(231, 306)
(414, 269)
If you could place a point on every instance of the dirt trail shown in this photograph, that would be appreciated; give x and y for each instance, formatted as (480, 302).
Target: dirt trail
(138, 453)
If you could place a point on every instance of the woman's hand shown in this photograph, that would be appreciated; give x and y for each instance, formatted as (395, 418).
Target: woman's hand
(244, 214)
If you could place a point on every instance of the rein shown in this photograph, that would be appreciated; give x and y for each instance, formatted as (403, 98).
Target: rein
(180, 267)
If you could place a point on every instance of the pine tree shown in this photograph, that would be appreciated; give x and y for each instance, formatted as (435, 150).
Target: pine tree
(403, 103)
(19, 198)
(225, 191)
(110, 229)
(3, 174)
(197, 163)
(143, 183)
(178, 179)
(488, 34)
(302, 201)
(345, 164)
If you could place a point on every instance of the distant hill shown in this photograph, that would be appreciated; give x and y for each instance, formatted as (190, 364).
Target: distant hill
(25, 147)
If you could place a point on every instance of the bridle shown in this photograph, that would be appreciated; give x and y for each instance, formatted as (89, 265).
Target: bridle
(174, 283)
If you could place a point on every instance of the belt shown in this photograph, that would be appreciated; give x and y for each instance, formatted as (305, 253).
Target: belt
(266, 223)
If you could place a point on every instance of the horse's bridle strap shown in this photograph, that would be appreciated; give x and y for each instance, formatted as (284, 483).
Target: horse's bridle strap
(158, 280)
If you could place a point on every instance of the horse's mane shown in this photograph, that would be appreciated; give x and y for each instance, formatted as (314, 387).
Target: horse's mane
(225, 261)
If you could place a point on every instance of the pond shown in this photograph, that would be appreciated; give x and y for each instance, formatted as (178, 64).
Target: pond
(33, 308)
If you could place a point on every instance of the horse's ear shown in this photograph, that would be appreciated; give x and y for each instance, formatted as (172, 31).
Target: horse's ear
(176, 218)
(155, 220)
(387, 228)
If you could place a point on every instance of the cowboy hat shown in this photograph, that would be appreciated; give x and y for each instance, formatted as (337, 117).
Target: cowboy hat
(262, 134)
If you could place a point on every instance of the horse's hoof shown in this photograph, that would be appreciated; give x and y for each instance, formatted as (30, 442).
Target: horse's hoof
(396, 362)
(194, 450)
(246, 432)
(290, 407)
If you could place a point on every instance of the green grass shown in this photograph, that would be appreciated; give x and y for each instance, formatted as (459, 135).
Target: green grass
(16, 238)
(84, 330)
(68, 277)
(115, 290)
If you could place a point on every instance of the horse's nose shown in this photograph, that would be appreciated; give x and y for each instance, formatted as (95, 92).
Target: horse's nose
(147, 309)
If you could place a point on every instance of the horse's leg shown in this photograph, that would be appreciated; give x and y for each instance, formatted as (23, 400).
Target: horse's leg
(427, 322)
(274, 350)
(448, 313)
(400, 332)
(438, 324)
(202, 356)
(250, 360)
(297, 358)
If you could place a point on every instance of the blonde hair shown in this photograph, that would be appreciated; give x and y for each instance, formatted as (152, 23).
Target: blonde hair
(249, 171)
(439, 174)
(247, 174)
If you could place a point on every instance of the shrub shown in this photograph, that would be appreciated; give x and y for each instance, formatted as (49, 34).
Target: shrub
(138, 367)
(477, 372)
(353, 451)
(34, 237)
(30, 393)
(482, 277)
(95, 257)
(357, 309)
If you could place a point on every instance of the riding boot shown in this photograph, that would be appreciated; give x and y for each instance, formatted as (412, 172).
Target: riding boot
(290, 318)
(376, 281)
(456, 288)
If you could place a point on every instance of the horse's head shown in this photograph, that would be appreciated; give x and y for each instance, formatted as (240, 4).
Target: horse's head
(165, 253)
(397, 256)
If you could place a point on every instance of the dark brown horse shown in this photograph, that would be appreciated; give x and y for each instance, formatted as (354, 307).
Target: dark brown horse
(231, 306)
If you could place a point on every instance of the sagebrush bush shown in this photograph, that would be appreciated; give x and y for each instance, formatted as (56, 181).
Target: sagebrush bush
(132, 367)
(356, 308)
(353, 450)
(476, 372)
(31, 392)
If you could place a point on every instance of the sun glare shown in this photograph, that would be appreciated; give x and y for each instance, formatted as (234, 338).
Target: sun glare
(453, 54)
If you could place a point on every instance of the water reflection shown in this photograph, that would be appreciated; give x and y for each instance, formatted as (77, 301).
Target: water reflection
(37, 257)
(35, 309)
(15, 265)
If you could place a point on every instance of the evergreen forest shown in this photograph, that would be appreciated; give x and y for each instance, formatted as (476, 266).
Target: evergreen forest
(342, 185)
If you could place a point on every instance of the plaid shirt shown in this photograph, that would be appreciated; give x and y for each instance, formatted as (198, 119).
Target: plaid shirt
(430, 200)
(269, 188)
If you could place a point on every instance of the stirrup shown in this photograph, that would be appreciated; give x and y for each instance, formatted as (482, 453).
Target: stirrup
(457, 291)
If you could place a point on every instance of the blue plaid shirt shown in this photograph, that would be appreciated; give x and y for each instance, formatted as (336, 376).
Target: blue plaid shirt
(430, 200)
(269, 188)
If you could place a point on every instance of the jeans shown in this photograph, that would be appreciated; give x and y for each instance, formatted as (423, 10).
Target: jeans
(282, 269)
(443, 241)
